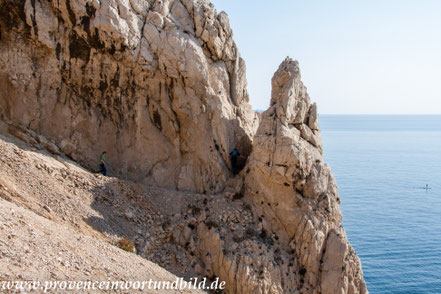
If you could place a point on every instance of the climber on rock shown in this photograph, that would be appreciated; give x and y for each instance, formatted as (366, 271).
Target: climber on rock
(233, 156)
(103, 168)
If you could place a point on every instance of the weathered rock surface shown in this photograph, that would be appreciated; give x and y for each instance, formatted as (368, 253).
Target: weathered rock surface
(295, 192)
(35, 248)
(50, 252)
(158, 84)
(191, 235)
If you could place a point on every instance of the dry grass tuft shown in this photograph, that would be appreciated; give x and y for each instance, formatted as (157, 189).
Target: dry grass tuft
(126, 245)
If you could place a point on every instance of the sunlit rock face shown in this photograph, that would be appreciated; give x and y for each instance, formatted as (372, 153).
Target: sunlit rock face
(295, 194)
(159, 85)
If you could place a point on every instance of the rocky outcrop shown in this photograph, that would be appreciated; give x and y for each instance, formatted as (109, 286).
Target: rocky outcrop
(189, 234)
(158, 84)
(295, 193)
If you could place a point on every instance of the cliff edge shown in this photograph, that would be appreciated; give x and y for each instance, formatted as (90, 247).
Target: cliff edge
(295, 193)
(161, 86)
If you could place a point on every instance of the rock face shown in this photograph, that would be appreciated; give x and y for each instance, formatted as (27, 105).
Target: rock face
(295, 193)
(189, 234)
(158, 84)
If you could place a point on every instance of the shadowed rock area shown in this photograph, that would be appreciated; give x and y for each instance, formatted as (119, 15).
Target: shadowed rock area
(160, 86)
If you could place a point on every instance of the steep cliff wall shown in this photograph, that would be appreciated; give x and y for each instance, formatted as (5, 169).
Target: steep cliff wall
(295, 193)
(158, 84)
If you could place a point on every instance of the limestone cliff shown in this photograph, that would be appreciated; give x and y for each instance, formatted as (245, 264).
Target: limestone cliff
(294, 191)
(160, 85)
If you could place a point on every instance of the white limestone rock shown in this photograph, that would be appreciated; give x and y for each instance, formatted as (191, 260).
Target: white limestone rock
(158, 84)
(295, 192)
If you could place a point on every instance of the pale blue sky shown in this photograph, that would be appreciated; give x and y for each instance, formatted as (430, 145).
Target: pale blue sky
(356, 57)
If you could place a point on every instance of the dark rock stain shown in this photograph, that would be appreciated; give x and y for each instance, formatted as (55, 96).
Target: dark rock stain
(157, 120)
(78, 48)
(57, 51)
(72, 17)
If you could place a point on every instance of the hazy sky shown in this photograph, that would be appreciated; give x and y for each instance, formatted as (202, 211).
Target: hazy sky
(356, 57)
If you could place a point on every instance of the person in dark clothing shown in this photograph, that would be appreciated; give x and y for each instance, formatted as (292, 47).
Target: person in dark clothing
(103, 168)
(233, 156)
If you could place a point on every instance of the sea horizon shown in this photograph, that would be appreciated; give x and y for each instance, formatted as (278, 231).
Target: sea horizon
(382, 164)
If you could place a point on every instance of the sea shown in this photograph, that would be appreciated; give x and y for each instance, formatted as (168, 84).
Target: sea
(382, 164)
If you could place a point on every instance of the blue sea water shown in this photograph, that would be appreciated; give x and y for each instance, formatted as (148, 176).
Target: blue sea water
(381, 164)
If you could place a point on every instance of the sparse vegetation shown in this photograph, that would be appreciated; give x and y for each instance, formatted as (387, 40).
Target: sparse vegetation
(126, 244)
(251, 232)
(194, 209)
(211, 224)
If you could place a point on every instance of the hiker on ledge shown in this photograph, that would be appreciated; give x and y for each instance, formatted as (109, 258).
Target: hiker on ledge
(234, 155)
(103, 168)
